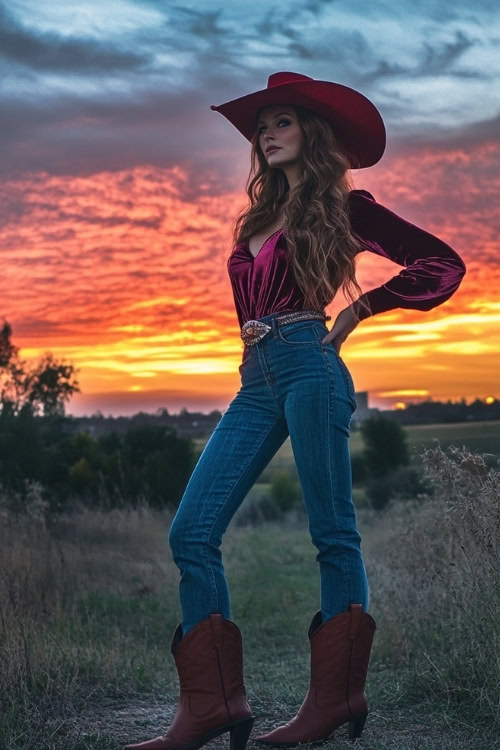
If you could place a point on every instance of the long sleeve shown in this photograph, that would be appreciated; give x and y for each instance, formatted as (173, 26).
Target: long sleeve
(433, 270)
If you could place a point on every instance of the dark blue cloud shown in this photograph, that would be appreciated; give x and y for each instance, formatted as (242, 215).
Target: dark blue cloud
(52, 52)
(75, 103)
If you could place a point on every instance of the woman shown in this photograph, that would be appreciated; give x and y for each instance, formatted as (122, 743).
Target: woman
(294, 247)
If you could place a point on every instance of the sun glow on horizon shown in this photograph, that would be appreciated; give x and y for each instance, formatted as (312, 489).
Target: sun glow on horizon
(144, 294)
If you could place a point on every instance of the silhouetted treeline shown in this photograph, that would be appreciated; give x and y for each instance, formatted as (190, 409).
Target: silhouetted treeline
(122, 461)
(433, 412)
(188, 424)
(148, 463)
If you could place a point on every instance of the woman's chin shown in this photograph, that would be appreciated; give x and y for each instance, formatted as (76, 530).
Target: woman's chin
(275, 161)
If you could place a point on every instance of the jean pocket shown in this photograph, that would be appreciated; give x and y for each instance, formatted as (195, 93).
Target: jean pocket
(348, 378)
(298, 333)
(349, 382)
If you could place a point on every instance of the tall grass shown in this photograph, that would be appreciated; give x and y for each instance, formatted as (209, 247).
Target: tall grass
(436, 586)
(89, 602)
(83, 614)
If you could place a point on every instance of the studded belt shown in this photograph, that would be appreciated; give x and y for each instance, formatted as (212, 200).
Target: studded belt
(254, 330)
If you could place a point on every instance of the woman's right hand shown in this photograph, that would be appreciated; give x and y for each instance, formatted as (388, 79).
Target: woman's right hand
(345, 323)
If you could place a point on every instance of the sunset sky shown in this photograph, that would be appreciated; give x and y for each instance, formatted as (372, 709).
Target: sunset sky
(119, 185)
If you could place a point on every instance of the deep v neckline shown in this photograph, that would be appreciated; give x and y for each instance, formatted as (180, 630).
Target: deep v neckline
(247, 244)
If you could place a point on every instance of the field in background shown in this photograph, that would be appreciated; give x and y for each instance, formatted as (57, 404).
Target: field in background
(483, 437)
(90, 602)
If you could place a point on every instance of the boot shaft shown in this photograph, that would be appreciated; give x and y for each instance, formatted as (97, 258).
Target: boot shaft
(209, 659)
(348, 641)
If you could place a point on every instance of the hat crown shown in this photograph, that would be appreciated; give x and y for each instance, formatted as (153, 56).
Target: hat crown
(357, 122)
(277, 79)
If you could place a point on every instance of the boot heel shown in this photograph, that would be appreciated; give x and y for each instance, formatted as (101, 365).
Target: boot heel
(356, 725)
(240, 733)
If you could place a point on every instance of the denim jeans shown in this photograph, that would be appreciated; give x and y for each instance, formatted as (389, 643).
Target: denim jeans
(291, 385)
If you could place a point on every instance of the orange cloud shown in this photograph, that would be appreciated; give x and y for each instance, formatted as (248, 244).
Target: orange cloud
(125, 277)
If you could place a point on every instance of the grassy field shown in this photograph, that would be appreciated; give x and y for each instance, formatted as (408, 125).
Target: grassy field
(483, 437)
(90, 602)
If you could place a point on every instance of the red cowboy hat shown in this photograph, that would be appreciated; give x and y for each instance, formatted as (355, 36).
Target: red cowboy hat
(355, 120)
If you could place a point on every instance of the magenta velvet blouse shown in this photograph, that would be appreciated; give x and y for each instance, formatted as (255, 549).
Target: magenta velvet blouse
(433, 270)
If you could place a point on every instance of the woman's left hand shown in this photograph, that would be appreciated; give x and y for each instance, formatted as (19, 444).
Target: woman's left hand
(344, 324)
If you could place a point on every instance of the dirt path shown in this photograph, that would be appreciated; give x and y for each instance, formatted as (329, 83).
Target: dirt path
(113, 725)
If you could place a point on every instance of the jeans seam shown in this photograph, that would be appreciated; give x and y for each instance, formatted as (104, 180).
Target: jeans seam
(254, 456)
(345, 558)
(316, 333)
(347, 378)
(329, 447)
(345, 372)
(261, 353)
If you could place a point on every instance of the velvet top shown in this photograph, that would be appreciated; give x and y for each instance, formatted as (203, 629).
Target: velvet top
(433, 270)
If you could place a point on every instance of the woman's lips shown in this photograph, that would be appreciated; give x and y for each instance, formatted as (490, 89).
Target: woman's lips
(274, 148)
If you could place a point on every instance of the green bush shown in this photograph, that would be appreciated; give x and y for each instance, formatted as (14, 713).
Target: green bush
(359, 468)
(403, 483)
(258, 511)
(285, 491)
(149, 462)
(81, 476)
(385, 445)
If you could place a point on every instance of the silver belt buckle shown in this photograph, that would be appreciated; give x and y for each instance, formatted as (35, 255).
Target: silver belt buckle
(253, 331)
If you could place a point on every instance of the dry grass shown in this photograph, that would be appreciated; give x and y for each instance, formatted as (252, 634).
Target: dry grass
(437, 584)
(90, 601)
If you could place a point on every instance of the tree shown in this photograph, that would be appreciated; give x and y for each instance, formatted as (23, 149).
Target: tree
(51, 385)
(7, 350)
(385, 445)
(48, 385)
(13, 384)
(285, 491)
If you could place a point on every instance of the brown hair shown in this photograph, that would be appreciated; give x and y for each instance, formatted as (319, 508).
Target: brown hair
(315, 212)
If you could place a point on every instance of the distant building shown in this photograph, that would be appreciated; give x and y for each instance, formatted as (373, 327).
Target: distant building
(363, 411)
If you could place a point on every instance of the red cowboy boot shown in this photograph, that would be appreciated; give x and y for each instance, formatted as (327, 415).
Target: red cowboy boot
(340, 652)
(209, 661)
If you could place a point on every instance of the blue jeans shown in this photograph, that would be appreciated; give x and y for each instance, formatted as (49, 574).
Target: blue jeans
(291, 384)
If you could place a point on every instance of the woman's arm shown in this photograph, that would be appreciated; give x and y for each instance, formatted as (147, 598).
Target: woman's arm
(433, 269)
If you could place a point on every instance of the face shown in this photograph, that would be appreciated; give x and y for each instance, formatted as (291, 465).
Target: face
(278, 126)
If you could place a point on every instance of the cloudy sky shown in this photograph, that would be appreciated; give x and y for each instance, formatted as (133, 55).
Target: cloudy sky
(119, 184)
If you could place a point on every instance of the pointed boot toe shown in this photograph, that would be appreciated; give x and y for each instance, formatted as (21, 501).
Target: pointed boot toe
(209, 661)
(340, 653)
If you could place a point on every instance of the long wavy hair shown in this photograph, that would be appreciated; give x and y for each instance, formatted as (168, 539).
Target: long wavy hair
(320, 242)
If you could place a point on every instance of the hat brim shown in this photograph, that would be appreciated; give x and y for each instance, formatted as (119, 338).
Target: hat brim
(354, 118)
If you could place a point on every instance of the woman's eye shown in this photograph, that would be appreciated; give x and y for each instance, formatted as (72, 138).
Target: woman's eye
(279, 122)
